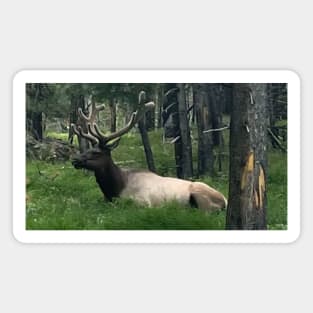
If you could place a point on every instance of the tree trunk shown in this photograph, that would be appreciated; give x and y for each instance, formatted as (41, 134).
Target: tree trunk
(171, 122)
(248, 143)
(128, 110)
(149, 120)
(34, 122)
(146, 145)
(228, 92)
(185, 140)
(213, 94)
(78, 101)
(216, 102)
(192, 109)
(112, 106)
(158, 100)
(145, 138)
(204, 122)
(37, 127)
(73, 118)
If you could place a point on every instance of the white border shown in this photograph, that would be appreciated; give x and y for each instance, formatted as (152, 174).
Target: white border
(156, 76)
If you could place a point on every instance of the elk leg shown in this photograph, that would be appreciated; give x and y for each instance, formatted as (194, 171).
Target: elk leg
(200, 201)
(206, 198)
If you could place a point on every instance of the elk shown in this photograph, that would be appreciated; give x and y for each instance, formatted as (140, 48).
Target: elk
(142, 186)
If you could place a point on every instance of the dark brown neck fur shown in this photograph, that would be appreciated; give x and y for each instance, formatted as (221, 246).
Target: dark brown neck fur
(111, 180)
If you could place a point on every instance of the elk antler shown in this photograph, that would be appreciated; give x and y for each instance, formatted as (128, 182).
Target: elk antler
(79, 132)
(92, 113)
(84, 121)
(135, 117)
(93, 132)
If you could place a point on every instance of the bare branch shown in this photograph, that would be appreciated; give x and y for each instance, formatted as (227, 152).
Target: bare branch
(175, 139)
(215, 129)
(171, 91)
(276, 140)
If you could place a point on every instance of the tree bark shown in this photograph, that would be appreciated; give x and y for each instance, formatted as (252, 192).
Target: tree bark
(78, 101)
(146, 145)
(145, 138)
(73, 117)
(159, 101)
(112, 106)
(37, 127)
(216, 103)
(204, 122)
(248, 143)
(34, 122)
(149, 120)
(185, 140)
(171, 122)
(228, 93)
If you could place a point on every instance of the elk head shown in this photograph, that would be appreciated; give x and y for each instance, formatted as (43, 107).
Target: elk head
(99, 157)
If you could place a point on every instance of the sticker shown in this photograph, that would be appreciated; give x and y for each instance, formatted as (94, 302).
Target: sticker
(156, 156)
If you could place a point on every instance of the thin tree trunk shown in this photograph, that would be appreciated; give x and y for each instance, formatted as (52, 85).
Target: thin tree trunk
(112, 106)
(192, 104)
(216, 98)
(171, 123)
(73, 118)
(37, 128)
(149, 120)
(228, 92)
(186, 147)
(78, 101)
(248, 142)
(146, 145)
(158, 95)
(36, 116)
(204, 122)
(145, 139)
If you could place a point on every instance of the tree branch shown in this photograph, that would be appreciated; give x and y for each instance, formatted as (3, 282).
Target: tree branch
(215, 129)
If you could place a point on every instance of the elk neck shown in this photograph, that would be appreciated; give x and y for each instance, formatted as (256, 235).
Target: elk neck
(110, 179)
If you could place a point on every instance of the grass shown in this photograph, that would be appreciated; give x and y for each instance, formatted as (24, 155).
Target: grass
(60, 197)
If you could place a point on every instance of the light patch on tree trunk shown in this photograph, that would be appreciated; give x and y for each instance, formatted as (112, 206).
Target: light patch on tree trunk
(261, 186)
(247, 170)
(256, 199)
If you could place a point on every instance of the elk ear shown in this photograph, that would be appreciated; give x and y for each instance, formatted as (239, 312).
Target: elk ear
(114, 144)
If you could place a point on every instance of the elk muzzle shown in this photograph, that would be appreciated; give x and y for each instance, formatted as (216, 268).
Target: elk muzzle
(78, 162)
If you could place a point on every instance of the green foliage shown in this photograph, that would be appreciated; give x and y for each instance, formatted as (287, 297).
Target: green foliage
(277, 190)
(54, 99)
(281, 123)
(60, 197)
(56, 135)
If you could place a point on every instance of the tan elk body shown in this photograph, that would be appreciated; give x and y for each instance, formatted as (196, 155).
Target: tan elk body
(143, 186)
(152, 189)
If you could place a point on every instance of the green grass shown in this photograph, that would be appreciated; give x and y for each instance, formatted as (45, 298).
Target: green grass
(61, 136)
(277, 191)
(60, 197)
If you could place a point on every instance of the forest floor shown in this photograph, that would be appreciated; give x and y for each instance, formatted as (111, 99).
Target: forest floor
(61, 197)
